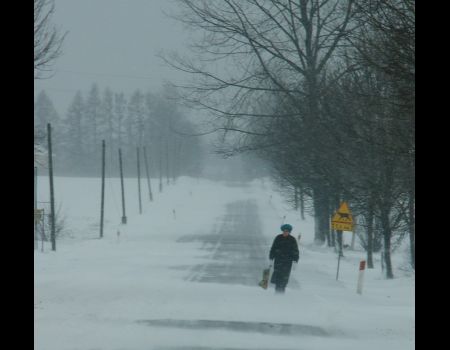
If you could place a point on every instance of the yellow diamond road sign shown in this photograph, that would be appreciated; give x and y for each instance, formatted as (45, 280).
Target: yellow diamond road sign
(342, 220)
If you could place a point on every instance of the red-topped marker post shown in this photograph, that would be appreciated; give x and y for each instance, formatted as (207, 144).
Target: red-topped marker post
(362, 267)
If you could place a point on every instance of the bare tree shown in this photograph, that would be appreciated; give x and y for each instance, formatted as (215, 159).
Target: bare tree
(386, 42)
(267, 47)
(48, 39)
(324, 90)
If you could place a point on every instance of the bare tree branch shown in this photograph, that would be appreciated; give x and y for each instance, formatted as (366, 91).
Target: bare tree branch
(47, 38)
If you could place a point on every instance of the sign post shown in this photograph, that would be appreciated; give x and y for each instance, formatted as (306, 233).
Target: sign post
(339, 260)
(342, 221)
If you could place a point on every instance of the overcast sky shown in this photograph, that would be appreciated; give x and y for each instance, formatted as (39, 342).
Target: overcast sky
(114, 43)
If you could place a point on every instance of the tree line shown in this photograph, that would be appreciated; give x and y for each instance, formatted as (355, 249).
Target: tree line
(140, 120)
(324, 91)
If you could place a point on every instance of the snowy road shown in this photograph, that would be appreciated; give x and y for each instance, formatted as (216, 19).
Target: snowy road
(238, 253)
(237, 248)
(191, 282)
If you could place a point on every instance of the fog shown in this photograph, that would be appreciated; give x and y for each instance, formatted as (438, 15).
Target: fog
(114, 43)
(262, 129)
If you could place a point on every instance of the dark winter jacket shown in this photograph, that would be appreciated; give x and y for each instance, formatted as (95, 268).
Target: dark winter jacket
(284, 249)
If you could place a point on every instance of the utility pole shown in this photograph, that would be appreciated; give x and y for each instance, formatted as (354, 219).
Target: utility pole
(139, 180)
(43, 232)
(102, 208)
(52, 192)
(124, 217)
(148, 176)
(167, 162)
(160, 165)
(35, 208)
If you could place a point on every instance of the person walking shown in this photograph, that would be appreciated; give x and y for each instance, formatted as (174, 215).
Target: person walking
(284, 251)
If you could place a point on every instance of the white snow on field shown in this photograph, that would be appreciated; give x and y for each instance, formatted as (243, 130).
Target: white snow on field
(91, 293)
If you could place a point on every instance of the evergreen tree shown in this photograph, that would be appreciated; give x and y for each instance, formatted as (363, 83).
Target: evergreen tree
(75, 147)
(134, 128)
(136, 114)
(120, 109)
(107, 120)
(92, 127)
(44, 112)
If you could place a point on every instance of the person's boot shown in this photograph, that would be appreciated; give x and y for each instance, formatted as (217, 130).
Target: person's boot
(279, 290)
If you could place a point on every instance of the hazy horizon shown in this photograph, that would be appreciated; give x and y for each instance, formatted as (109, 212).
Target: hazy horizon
(114, 43)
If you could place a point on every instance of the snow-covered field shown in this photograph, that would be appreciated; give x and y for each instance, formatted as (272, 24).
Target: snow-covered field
(132, 290)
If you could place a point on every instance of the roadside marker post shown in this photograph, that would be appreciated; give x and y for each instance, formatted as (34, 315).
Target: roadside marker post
(362, 267)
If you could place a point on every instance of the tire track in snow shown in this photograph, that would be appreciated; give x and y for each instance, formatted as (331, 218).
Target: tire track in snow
(238, 252)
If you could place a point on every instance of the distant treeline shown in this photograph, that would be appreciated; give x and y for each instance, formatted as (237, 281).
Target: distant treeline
(127, 122)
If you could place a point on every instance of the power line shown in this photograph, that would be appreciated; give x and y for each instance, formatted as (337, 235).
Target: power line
(57, 89)
(106, 74)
